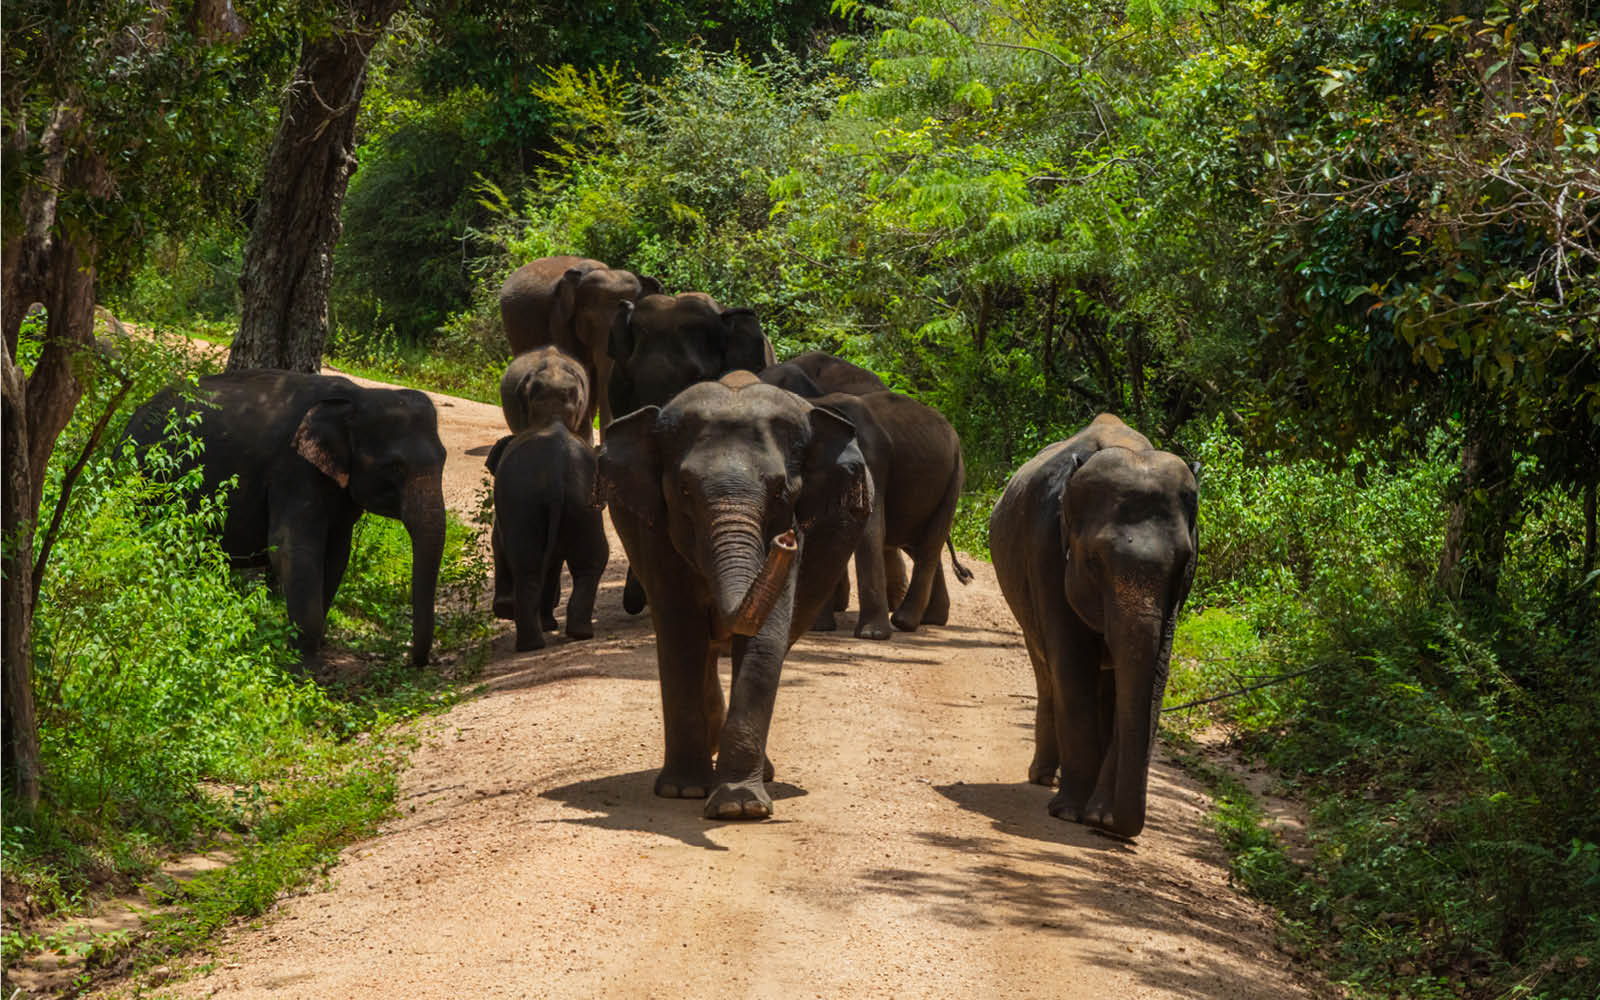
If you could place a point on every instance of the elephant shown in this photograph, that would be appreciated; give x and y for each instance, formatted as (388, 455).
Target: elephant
(543, 516)
(569, 302)
(827, 373)
(311, 453)
(914, 456)
(665, 344)
(1094, 543)
(544, 386)
(738, 504)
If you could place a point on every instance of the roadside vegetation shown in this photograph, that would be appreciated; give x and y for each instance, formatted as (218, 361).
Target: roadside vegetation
(1345, 254)
(172, 715)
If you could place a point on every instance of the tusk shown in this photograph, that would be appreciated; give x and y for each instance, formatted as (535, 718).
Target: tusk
(768, 584)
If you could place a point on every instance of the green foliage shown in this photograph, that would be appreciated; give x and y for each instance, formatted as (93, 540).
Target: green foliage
(1447, 757)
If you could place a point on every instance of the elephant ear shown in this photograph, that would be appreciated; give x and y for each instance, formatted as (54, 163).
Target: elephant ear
(323, 438)
(492, 463)
(629, 468)
(649, 285)
(743, 344)
(564, 307)
(1063, 473)
(837, 485)
(619, 343)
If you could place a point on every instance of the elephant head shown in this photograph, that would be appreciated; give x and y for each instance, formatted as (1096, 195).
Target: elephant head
(666, 343)
(591, 296)
(536, 308)
(1128, 534)
(734, 481)
(383, 447)
(544, 386)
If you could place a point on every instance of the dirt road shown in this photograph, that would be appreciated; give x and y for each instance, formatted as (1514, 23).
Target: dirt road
(907, 856)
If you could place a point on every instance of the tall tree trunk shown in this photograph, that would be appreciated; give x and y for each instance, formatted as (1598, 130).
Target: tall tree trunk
(1481, 512)
(21, 731)
(288, 260)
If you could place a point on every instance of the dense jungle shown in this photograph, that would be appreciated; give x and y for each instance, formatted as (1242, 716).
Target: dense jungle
(1341, 257)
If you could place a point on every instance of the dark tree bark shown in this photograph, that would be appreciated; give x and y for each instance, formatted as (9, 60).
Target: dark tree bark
(1481, 512)
(16, 634)
(288, 260)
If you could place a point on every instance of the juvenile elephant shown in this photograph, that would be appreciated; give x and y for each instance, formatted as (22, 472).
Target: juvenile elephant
(1094, 545)
(914, 456)
(544, 386)
(312, 452)
(738, 504)
(543, 517)
(569, 303)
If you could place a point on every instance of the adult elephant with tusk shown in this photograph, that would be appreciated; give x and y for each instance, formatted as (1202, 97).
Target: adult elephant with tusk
(1094, 544)
(311, 453)
(738, 504)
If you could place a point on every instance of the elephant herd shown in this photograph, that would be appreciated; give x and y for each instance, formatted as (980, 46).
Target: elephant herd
(740, 489)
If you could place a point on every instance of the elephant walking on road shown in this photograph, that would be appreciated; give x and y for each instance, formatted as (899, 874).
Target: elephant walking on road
(543, 517)
(738, 504)
(1094, 544)
(311, 453)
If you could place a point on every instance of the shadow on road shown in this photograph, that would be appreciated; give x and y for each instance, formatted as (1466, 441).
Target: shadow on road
(628, 802)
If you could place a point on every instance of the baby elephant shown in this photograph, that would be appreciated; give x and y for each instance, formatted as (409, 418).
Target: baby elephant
(542, 386)
(543, 485)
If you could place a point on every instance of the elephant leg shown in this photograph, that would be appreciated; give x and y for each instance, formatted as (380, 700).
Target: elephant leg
(873, 620)
(767, 770)
(924, 564)
(335, 560)
(841, 593)
(742, 760)
(825, 620)
(1046, 753)
(685, 657)
(633, 595)
(528, 596)
(587, 560)
(938, 609)
(1072, 654)
(894, 575)
(551, 595)
(505, 605)
(298, 543)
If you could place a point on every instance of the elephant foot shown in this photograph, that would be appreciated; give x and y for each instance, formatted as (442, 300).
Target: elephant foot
(876, 628)
(746, 800)
(1041, 774)
(547, 621)
(505, 608)
(580, 630)
(903, 623)
(1066, 807)
(1101, 819)
(528, 641)
(936, 616)
(684, 785)
(825, 622)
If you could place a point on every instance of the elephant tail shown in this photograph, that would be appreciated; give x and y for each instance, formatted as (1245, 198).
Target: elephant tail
(963, 574)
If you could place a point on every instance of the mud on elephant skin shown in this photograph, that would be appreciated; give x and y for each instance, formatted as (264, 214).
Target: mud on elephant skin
(544, 386)
(544, 517)
(738, 508)
(311, 453)
(1094, 544)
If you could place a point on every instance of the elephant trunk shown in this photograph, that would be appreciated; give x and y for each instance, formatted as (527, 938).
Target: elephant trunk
(768, 585)
(422, 513)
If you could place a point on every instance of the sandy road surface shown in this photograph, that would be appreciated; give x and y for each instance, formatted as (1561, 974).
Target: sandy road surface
(907, 856)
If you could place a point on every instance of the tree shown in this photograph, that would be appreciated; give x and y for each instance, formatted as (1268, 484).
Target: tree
(119, 122)
(288, 260)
